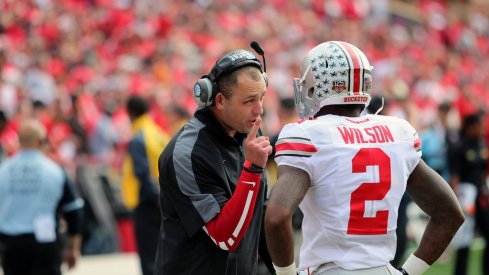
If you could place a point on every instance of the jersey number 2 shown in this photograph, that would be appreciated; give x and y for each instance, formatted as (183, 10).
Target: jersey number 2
(369, 191)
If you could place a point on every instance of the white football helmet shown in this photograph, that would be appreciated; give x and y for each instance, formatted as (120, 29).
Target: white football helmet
(332, 73)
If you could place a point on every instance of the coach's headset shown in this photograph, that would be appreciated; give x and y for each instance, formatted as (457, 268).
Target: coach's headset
(206, 88)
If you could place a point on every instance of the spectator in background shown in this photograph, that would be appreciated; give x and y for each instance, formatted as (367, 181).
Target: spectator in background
(34, 191)
(437, 140)
(3, 125)
(105, 138)
(8, 94)
(2, 57)
(39, 84)
(287, 113)
(78, 131)
(176, 117)
(140, 179)
(9, 141)
(468, 163)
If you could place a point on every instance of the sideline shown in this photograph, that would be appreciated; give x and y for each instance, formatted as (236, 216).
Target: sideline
(105, 264)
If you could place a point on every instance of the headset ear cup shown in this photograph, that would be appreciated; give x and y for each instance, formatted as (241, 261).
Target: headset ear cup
(203, 92)
(265, 77)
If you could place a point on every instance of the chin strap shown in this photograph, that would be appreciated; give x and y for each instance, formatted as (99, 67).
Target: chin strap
(381, 107)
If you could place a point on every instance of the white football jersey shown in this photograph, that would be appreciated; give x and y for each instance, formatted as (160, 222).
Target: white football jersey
(358, 168)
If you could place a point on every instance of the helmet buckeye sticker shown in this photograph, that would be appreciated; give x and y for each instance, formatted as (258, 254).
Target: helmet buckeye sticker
(339, 86)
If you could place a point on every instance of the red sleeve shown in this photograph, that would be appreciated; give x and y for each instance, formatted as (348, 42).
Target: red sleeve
(228, 228)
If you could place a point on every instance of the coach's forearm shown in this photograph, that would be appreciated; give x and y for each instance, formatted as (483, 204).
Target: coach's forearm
(229, 227)
(280, 237)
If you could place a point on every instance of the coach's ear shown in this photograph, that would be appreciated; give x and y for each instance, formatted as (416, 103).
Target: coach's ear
(219, 101)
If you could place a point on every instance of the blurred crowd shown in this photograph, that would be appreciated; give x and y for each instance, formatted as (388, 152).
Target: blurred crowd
(73, 63)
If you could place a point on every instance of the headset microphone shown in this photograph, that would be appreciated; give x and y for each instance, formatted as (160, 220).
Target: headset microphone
(255, 46)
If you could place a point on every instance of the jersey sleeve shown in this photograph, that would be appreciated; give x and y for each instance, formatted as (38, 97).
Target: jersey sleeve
(412, 136)
(294, 147)
(407, 134)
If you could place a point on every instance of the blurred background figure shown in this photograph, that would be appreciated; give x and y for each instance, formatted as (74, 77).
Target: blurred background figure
(287, 113)
(468, 164)
(3, 125)
(140, 180)
(438, 138)
(105, 137)
(176, 117)
(34, 193)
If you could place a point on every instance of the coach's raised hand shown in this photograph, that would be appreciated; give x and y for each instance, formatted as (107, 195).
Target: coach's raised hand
(257, 148)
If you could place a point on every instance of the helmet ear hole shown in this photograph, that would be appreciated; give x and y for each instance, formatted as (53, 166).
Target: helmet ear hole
(310, 92)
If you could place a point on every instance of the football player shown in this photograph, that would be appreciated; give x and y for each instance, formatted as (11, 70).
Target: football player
(348, 173)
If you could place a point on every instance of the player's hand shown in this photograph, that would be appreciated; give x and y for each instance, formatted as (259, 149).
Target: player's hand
(257, 148)
(71, 257)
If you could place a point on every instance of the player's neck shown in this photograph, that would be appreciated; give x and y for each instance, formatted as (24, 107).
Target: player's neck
(341, 110)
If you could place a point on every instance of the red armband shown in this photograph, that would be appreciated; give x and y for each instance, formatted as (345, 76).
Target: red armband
(228, 228)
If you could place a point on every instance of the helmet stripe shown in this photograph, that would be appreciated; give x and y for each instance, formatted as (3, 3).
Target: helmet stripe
(356, 67)
(362, 76)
